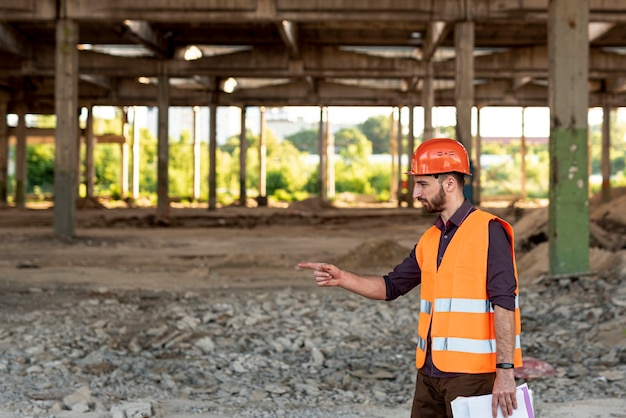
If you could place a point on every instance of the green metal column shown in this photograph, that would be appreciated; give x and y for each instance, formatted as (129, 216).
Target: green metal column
(568, 218)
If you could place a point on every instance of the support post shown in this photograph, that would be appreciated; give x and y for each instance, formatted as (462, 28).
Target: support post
(411, 149)
(568, 214)
(330, 158)
(163, 204)
(428, 100)
(136, 154)
(20, 158)
(393, 150)
(464, 93)
(322, 151)
(4, 156)
(262, 199)
(66, 105)
(605, 162)
(195, 194)
(212, 156)
(243, 151)
(477, 169)
(124, 160)
(90, 145)
(400, 151)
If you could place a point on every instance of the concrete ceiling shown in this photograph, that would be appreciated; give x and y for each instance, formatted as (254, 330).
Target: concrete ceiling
(298, 52)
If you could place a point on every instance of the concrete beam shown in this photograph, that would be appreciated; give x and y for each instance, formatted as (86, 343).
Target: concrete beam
(436, 33)
(319, 10)
(13, 42)
(142, 32)
(289, 34)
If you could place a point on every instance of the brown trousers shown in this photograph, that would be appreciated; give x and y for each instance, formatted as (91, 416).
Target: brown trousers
(433, 395)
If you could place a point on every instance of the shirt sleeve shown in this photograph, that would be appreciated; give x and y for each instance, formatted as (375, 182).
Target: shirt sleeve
(404, 277)
(501, 283)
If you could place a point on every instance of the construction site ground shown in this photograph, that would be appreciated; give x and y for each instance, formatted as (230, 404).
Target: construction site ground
(217, 253)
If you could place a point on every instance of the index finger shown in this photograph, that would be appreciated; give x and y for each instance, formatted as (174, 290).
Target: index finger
(309, 265)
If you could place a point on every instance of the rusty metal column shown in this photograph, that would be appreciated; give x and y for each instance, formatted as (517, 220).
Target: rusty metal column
(195, 193)
(428, 100)
(243, 151)
(605, 163)
(20, 157)
(90, 142)
(66, 105)
(4, 154)
(212, 156)
(322, 151)
(568, 214)
(464, 92)
(262, 199)
(163, 100)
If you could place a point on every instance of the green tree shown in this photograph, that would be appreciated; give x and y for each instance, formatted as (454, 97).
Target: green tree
(305, 140)
(40, 167)
(377, 130)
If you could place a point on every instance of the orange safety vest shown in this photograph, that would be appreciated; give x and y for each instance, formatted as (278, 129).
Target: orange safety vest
(454, 301)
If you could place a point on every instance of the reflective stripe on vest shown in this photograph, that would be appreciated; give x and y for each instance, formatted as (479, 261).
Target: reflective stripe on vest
(464, 345)
(460, 305)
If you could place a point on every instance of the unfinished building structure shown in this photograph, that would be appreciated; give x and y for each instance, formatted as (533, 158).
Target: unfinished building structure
(58, 56)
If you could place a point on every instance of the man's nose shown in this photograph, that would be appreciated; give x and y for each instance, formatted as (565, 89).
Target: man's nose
(417, 191)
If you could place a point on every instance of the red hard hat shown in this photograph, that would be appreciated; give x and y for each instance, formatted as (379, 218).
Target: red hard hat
(440, 155)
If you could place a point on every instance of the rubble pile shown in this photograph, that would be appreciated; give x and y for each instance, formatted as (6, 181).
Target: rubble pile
(119, 353)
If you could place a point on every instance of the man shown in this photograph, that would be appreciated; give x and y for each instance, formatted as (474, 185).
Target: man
(469, 320)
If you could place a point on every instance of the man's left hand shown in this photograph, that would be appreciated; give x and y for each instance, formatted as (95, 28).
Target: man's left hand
(504, 393)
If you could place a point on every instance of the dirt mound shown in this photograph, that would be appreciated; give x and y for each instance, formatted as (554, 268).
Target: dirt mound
(313, 204)
(373, 253)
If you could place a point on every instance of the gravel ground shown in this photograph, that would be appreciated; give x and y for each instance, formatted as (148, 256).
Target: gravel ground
(265, 354)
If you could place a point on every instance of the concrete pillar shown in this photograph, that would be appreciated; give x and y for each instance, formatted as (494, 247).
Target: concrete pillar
(212, 156)
(4, 155)
(20, 158)
(605, 163)
(400, 152)
(163, 100)
(411, 149)
(262, 199)
(428, 100)
(195, 195)
(523, 192)
(323, 153)
(124, 158)
(136, 154)
(568, 215)
(464, 93)
(330, 159)
(66, 105)
(393, 148)
(124, 163)
(90, 146)
(243, 151)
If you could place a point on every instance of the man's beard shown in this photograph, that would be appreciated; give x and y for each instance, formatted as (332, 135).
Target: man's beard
(436, 204)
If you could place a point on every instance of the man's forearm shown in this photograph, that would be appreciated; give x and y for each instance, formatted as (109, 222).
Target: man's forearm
(504, 323)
